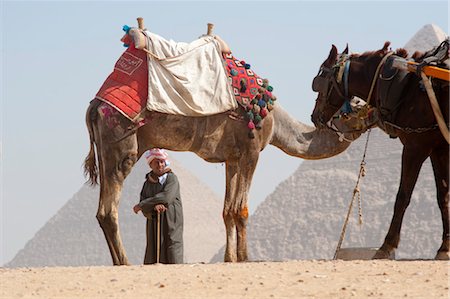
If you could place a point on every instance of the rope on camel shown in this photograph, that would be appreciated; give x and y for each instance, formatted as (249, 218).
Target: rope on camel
(356, 194)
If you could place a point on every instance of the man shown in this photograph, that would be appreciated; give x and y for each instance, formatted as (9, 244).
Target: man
(161, 194)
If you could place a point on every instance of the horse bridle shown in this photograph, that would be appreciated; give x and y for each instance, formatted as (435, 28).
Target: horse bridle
(326, 80)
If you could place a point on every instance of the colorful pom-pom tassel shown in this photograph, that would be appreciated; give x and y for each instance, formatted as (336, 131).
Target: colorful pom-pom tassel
(126, 28)
(269, 107)
(262, 103)
(251, 125)
(250, 115)
(270, 88)
(258, 119)
(263, 112)
(247, 66)
(256, 109)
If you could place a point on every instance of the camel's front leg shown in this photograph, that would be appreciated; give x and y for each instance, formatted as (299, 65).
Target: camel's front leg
(228, 215)
(239, 177)
(241, 231)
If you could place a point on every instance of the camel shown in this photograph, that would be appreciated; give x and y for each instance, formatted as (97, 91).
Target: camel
(217, 138)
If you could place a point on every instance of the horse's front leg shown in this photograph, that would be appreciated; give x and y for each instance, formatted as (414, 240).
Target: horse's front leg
(412, 160)
(440, 162)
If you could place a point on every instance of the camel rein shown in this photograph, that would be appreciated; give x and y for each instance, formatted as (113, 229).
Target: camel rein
(356, 194)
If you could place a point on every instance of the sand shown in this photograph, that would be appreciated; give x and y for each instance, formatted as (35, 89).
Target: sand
(292, 279)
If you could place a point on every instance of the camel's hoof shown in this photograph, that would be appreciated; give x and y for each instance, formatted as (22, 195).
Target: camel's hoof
(381, 255)
(442, 256)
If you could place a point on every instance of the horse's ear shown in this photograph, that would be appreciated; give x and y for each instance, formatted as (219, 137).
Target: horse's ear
(386, 47)
(332, 56)
(346, 50)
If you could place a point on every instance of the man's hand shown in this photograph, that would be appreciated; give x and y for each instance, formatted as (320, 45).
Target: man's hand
(136, 208)
(160, 208)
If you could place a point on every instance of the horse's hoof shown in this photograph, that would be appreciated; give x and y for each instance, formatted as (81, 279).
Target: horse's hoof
(442, 256)
(381, 255)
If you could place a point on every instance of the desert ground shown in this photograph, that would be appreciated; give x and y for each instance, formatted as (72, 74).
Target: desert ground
(291, 279)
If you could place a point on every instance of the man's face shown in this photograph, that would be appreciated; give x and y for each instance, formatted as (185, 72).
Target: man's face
(158, 165)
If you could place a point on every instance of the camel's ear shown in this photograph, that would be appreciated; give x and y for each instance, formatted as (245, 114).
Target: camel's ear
(346, 50)
(332, 56)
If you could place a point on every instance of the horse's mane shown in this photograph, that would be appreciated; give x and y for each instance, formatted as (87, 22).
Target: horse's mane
(383, 51)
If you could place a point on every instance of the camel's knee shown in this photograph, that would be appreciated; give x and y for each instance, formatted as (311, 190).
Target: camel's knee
(108, 220)
(127, 164)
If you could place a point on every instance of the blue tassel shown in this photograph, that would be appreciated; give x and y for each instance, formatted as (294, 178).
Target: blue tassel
(247, 66)
(126, 28)
(262, 103)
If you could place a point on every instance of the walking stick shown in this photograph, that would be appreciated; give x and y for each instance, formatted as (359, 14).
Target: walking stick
(158, 237)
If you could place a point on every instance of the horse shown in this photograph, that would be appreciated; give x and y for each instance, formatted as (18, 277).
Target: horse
(398, 104)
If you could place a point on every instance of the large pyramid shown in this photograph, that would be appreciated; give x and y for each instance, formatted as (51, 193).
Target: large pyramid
(73, 237)
(303, 217)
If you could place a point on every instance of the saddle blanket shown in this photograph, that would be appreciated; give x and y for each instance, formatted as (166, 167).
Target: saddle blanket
(186, 79)
(126, 87)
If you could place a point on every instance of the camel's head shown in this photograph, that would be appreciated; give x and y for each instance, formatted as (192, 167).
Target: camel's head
(329, 98)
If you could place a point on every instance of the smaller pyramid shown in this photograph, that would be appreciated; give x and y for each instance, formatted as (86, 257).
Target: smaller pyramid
(429, 34)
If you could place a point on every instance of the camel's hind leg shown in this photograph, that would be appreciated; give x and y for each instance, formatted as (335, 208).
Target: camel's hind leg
(116, 160)
(440, 162)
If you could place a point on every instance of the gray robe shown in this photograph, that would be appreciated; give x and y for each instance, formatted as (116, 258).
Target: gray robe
(171, 238)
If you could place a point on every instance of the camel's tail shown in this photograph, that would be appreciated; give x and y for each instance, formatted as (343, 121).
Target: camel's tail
(90, 163)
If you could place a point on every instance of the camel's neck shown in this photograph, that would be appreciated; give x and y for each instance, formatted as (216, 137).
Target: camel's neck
(303, 141)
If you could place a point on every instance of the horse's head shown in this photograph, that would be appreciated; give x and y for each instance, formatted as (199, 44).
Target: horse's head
(327, 83)
(333, 85)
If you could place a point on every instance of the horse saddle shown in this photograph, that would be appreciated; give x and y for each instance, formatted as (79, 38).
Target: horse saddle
(391, 85)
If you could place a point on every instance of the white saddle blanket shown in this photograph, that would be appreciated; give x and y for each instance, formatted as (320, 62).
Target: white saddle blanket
(188, 78)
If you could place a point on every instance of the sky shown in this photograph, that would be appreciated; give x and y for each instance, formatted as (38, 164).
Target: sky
(56, 55)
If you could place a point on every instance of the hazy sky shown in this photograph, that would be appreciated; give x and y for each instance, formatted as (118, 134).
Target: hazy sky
(56, 55)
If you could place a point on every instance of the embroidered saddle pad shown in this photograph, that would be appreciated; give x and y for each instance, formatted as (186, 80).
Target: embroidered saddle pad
(126, 87)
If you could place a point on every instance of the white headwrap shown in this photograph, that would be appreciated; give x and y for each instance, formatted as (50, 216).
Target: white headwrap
(156, 153)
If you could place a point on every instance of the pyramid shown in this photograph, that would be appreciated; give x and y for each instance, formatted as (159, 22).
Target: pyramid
(304, 216)
(73, 237)
(425, 39)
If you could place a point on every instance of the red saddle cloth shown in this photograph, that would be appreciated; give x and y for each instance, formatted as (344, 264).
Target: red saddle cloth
(126, 88)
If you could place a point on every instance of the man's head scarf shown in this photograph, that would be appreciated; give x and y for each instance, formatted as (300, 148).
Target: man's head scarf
(156, 153)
